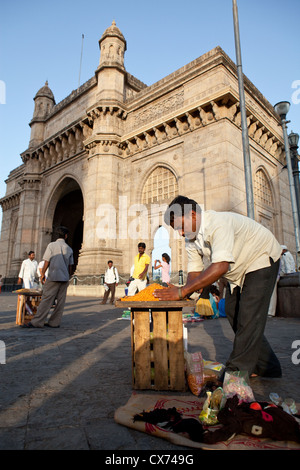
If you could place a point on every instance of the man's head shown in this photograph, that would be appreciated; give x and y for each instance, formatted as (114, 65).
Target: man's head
(61, 232)
(284, 249)
(31, 255)
(141, 248)
(110, 263)
(184, 215)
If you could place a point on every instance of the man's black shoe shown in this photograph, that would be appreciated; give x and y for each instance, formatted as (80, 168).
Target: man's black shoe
(50, 326)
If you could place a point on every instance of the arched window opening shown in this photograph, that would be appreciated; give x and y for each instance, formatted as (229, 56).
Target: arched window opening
(160, 186)
(262, 189)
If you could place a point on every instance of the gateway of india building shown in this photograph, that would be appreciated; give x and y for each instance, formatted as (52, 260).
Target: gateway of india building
(107, 160)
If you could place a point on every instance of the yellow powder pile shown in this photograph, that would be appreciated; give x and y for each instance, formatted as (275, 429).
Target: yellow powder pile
(145, 295)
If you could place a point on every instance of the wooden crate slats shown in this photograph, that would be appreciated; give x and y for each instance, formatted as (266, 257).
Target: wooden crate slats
(160, 350)
(142, 360)
(176, 352)
(157, 355)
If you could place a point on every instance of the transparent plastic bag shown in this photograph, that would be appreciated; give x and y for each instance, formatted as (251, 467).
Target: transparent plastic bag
(194, 371)
(212, 405)
(236, 383)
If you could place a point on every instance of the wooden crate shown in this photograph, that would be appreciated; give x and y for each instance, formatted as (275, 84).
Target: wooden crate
(157, 345)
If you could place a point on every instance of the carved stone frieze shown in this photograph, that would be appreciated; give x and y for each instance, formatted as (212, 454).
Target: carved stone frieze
(155, 111)
(30, 182)
(11, 201)
(101, 111)
(59, 148)
(225, 107)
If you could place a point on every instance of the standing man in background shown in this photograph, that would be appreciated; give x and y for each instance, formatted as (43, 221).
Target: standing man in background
(141, 265)
(111, 281)
(28, 271)
(59, 259)
(287, 264)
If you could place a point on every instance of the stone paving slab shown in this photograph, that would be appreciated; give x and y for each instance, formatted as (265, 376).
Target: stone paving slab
(61, 387)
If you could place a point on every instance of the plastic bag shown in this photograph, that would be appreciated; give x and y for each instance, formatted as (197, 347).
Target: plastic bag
(212, 371)
(212, 405)
(194, 371)
(236, 383)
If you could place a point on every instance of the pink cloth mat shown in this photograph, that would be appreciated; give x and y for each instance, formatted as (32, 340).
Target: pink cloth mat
(189, 407)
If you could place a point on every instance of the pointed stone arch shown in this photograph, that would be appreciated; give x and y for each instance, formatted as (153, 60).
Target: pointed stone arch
(264, 199)
(159, 188)
(160, 185)
(65, 207)
(161, 244)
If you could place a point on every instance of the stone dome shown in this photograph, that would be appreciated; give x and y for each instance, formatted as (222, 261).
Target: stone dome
(113, 31)
(45, 92)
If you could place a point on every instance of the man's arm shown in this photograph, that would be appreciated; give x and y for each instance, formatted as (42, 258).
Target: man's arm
(195, 281)
(21, 273)
(44, 269)
(144, 272)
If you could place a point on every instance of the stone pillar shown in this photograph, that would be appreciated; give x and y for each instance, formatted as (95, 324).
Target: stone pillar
(28, 220)
(100, 212)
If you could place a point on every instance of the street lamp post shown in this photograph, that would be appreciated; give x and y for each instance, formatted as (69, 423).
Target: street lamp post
(282, 109)
(293, 142)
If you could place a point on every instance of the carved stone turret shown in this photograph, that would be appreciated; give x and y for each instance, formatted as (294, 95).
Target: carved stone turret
(111, 71)
(44, 102)
(112, 47)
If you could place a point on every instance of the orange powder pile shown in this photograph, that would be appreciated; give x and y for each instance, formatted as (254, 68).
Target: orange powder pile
(145, 295)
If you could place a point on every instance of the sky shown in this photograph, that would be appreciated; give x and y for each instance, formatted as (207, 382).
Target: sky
(42, 41)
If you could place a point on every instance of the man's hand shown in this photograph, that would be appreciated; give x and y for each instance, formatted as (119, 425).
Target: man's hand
(169, 293)
(195, 281)
(144, 273)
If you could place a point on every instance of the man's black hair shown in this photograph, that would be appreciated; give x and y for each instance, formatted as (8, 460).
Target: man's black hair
(61, 231)
(142, 244)
(179, 207)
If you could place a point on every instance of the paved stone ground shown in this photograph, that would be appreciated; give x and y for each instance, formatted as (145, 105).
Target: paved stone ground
(60, 387)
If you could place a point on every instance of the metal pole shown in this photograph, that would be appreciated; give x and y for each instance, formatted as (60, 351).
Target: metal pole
(292, 189)
(296, 174)
(245, 137)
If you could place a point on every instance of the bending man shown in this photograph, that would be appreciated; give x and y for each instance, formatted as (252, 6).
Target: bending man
(247, 255)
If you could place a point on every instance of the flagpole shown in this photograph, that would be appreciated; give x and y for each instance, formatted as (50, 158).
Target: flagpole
(82, 38)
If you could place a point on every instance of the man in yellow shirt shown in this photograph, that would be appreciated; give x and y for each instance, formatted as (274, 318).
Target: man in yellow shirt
(141, 265)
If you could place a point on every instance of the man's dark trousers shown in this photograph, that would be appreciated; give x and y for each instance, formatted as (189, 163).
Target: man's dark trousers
(111, 289)
(247, 312)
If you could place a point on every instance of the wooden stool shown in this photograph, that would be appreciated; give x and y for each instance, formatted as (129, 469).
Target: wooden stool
(23, 296)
